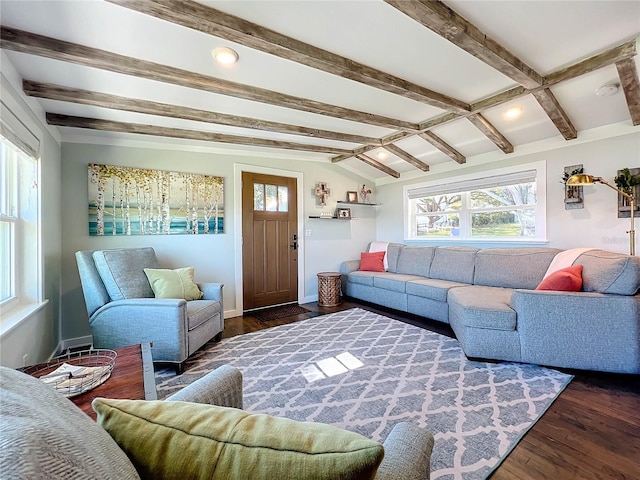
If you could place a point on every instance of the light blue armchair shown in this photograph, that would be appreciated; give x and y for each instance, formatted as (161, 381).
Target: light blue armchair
(123, 310)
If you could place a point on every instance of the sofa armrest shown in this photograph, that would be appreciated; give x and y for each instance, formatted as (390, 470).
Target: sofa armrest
(590, 331)
(407, 454)
(349, 266)
(212, 291)
(222, 387)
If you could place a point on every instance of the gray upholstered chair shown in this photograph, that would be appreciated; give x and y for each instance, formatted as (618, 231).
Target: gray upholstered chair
(123, 310)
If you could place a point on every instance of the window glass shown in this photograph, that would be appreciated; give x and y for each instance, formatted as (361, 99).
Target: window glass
(496, 207)
(283, 199)
(258, 196)
(271, 198)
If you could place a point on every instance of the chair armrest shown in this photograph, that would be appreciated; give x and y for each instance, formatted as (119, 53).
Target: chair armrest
(407, 454)
(212, 291)
(222, 387)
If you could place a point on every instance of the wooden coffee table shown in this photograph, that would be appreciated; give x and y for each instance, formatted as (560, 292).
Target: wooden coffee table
(132, 378)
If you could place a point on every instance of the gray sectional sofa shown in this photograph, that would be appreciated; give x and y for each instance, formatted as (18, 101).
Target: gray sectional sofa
(489, 298)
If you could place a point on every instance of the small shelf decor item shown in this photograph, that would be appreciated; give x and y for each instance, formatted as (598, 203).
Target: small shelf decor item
(321, 192)
(352, 197)
(343, 213)
(365, 193)
(573, 194)
(74, 373)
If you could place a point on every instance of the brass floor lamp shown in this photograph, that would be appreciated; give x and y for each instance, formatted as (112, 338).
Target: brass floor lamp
(581, 179)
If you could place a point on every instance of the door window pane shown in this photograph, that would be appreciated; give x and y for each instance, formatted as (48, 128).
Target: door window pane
(283, 199)
(271, 196)
(258, 196)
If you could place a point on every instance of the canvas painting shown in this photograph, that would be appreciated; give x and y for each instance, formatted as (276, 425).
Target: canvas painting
(143, 201)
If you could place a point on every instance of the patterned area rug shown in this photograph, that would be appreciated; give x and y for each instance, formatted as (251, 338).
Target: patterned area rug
(365, 372)
(282, 311)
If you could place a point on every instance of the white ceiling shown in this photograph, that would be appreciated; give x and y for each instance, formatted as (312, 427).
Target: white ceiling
(546, 35)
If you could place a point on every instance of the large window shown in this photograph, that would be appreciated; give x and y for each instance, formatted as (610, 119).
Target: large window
(499, 207)
(19, 225)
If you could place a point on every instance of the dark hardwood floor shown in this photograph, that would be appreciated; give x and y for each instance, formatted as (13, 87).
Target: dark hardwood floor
(591, 432)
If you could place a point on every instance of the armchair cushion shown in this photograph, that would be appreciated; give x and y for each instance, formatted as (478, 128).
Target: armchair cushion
(177, 283)
(177, 440)
(122, 271)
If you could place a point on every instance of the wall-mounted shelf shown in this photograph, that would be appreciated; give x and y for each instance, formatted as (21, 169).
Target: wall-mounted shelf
(330, 218)
(357, 203)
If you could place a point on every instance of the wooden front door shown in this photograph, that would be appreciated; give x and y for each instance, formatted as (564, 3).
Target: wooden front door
(269, 240)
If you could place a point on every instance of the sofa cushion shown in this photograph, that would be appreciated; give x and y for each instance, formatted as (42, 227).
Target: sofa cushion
(372, 262)
(363, 278)
(512, 267)
(609, 272)
(122, 271)
(415, 260)
(564, 280)
(484, 307)
(178, 283)
(178, 440)
(453, 263)
(394, 281)
(44, 435)
(432, 288)
(393, 253)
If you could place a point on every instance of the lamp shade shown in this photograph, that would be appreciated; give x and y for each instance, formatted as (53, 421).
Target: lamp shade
(581, 179)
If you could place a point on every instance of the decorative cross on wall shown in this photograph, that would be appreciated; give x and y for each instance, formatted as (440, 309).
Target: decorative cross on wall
(322, 192)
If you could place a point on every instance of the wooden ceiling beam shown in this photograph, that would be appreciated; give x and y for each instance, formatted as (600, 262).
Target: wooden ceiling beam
(238, 30)
(104, 100)
(125, 127)
(491, 132)
(34, 44)
(558, 116)
(628, 74)
(441, 19)
(614, 55)
(407, 157)
(443, 146)
(375, 164)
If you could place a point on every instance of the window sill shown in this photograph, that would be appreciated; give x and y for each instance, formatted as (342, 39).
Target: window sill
(519, 242)
(18, 314)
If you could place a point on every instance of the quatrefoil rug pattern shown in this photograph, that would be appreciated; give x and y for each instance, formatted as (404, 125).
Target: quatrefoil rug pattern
(393, 372)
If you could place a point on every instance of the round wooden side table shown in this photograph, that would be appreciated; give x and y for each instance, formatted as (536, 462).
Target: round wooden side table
(329, 289)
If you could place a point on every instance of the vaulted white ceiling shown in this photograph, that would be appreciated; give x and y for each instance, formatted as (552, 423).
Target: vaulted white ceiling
(544, 37)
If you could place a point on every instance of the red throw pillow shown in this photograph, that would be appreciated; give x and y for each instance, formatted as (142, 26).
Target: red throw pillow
(372, 262)
(565, 280)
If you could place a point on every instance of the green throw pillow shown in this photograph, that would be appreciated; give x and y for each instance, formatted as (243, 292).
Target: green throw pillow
(178, 440)
(176, 283)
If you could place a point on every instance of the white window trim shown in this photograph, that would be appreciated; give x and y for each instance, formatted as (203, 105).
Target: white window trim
(541, 206)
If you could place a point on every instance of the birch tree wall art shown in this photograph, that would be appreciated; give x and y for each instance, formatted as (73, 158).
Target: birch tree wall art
(142, 201)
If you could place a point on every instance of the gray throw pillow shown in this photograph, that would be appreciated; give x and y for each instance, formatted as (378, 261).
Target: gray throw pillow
(44, 435)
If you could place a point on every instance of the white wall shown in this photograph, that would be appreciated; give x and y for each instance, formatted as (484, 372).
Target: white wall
(213, 256)
(597, 225)
(37, 336)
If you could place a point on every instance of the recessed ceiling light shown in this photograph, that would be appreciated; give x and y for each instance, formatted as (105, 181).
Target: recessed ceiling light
(381, 155)
(225, 55)
(513, 113)
(608, 89)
